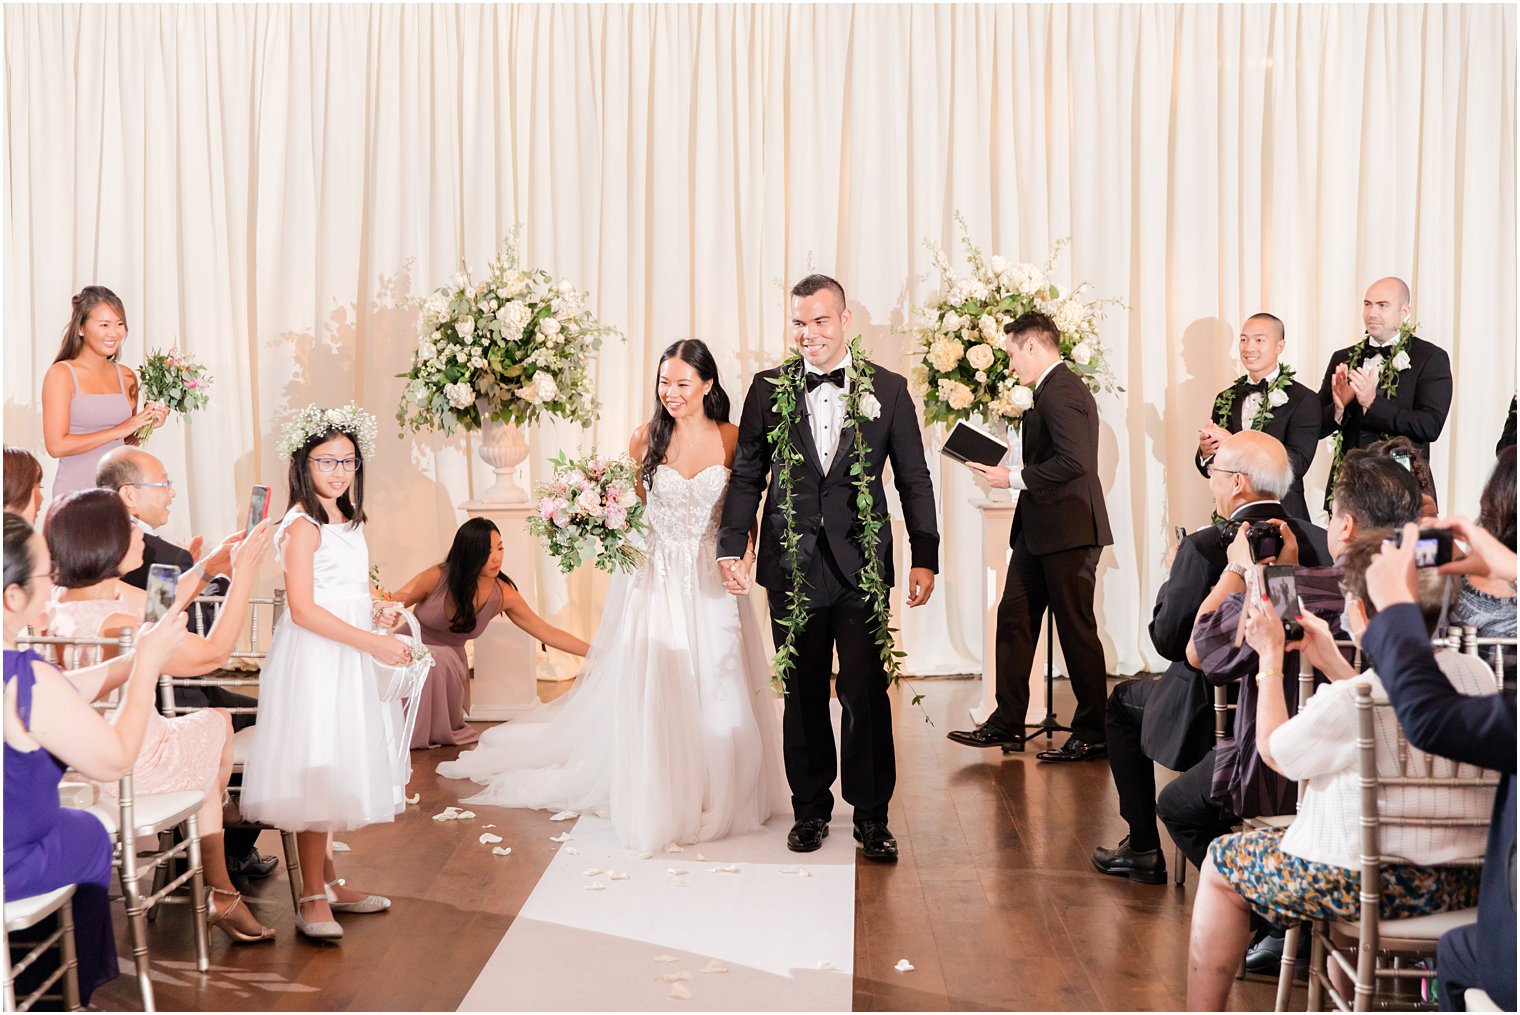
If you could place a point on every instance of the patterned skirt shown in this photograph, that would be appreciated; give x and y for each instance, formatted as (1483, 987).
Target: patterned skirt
(1286, 889)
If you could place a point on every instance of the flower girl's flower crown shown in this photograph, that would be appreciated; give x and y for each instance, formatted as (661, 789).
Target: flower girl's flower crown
(313, 420)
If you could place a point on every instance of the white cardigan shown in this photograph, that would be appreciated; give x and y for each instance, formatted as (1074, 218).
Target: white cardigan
(1319, 744)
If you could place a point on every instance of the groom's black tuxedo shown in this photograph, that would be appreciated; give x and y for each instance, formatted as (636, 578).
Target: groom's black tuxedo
(837, 615)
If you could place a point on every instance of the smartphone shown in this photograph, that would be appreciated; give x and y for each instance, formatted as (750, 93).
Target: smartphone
(1402, 457)
(163, 585)
(1181, 532)
(1282, 590)
(258, 507)
(1433, 548)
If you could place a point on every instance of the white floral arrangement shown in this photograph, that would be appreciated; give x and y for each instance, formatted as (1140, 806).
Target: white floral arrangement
(512, 346)
(965, 369)
(314, 419)
(589, 511)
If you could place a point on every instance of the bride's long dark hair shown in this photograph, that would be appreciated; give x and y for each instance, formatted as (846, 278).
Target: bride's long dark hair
(695, 354)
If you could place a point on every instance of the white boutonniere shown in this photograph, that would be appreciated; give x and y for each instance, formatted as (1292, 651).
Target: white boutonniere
(870, 408)
(1278, 397)
(1023, 398)
(1401, 361)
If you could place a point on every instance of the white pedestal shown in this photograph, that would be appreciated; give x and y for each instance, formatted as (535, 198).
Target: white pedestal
(506, 659)
(997, 520)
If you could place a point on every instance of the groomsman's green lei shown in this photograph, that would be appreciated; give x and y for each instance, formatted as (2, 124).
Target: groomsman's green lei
(786, 401)
(1226, 400)
(1388, 380)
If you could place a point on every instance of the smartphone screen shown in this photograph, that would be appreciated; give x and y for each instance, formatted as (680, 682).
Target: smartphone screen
(163, 584)
(1181, 533)
(1282, 590)
(258, 507)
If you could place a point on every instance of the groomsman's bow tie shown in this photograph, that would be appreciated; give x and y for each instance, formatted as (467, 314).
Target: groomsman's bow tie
(1260, 387)
(834, 377)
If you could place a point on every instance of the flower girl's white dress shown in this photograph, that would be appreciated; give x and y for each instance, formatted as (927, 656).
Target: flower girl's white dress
(324, 756)
(672, 724)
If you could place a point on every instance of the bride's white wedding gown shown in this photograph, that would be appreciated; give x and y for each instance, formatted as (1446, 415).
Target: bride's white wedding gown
(672, 725)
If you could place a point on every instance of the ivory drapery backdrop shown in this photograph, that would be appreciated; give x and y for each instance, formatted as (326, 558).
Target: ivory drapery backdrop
(264, 184)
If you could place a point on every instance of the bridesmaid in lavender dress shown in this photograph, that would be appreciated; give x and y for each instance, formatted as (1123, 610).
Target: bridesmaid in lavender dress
(89, 401)
(471, 574)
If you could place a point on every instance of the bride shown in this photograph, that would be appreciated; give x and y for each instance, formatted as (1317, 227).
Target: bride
(671, 726)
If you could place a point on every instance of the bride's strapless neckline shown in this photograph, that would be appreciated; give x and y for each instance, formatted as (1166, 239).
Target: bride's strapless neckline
(696, 475)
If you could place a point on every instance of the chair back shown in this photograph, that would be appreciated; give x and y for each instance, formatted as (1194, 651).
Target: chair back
(270, 608)
(1499, 653)
(76, 653)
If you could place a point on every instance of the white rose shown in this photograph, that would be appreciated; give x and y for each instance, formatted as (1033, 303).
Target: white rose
(426, 351)
(953, 322)
(998, 265)
(870, 408)
(946, 354)
(477, 361)
(1277, 397)
(1022, 397)
(981, 377)
(989, 326)
(549, 326)
(1401, 361)
(980, 356)
(1081, 353)
(465, 326)
(547, 389)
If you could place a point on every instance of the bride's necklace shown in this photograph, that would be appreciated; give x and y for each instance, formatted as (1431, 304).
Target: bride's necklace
(681, 445)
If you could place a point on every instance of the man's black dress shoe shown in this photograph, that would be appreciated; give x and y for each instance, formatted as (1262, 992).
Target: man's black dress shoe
(877, 842)
(807, 835)
(253, 866)
(1265, 956)
(986, 735)
(1145, 866)
(1075, 749)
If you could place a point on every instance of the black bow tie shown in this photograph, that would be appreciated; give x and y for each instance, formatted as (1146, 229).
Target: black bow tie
(834, 377)
(1260, 387)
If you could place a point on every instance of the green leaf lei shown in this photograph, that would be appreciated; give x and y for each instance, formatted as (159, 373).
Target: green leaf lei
(786, 399)
(1226, 400)
(1388, 380)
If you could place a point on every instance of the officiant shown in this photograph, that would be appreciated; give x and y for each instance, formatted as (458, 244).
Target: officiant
(1060, 527)
(1266, 398)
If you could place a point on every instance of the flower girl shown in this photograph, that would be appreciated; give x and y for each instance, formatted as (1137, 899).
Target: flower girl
(325, 758)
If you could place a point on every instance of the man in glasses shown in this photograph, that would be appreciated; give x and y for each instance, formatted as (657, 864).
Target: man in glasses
(144, 486)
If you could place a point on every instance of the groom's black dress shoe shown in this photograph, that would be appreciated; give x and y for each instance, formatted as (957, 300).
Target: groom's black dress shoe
(1075, 749)
(876, 839)
(987, 735)
(807, 835)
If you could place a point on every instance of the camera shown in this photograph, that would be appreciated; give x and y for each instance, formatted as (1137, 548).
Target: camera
(1263, 537)
(1433, 548)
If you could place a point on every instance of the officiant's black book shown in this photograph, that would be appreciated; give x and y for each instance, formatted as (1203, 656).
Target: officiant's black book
(970, 443)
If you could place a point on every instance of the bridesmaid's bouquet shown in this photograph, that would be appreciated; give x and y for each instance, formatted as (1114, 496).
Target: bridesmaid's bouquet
(174, 380)
(590, 511)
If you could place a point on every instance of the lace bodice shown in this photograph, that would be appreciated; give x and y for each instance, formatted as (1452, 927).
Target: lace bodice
(682, 513)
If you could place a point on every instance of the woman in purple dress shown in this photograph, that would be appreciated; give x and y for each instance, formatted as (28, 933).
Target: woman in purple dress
(89, 401)
(470, 575)
(49, 726)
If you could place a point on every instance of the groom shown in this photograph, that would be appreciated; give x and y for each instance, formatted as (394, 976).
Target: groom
(838, 614)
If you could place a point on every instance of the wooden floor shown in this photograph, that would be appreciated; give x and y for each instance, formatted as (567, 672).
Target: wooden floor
(994, 901)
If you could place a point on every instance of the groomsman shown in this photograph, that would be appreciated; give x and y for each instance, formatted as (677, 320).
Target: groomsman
(1267, 397)
(1388, 384)
(1060, 527)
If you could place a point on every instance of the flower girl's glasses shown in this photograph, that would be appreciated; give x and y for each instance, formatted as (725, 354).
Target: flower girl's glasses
(329, 464)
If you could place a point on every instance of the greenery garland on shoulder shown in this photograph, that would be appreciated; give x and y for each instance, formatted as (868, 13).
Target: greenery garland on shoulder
(860, 405)
(1394, 363)
(1225, 403)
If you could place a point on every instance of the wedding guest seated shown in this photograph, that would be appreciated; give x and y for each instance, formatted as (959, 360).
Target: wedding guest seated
(1484, 602)
(1403, 451)
(23, 484)
(49, 727)
(1312, 871)
(144, 486)
(1372, 493)
(453, 603)
(1170, 720)
(1477, 730)
(92, 540)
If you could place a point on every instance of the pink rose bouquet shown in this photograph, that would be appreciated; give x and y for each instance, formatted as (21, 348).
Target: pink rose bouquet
(590, 511)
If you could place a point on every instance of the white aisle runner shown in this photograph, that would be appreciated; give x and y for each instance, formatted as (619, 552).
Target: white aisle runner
(766, 936)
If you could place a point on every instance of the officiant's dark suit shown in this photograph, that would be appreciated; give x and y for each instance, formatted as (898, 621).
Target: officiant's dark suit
(1296, 424)
(838, 614)
(1060, 527)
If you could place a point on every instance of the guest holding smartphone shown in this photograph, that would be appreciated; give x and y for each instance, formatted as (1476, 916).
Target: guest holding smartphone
(89, 401)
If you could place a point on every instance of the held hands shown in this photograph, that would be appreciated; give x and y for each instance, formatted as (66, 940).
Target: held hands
(999, 477)
(736, 579)
(920, 586)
